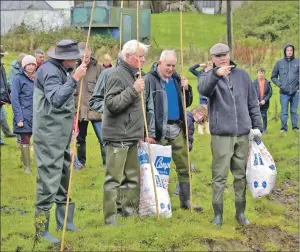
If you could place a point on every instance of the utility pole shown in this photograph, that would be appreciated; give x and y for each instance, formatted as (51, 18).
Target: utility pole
(229, 26)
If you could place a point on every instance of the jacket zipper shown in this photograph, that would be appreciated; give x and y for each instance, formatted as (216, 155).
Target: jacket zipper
(232, 94)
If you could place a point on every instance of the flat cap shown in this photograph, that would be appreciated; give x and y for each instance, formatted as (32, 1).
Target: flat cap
(219, 49)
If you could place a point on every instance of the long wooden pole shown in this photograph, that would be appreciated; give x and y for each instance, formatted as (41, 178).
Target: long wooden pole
(184, 101)
(121, 24)
(144, 111)
(74, 142)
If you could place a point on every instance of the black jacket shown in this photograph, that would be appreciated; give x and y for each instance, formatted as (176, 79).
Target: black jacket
(267, 93)
(285, 74)
(157, 104)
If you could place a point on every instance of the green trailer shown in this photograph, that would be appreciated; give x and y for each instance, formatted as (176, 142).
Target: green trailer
(106, 21)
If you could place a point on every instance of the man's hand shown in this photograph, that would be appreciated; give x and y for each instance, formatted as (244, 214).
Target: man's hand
(151, 140)
(20, 124)
(254, 134)
(80, 72)
(209, 66)
(262, 102)
(184, 83)
(224, 71)
(139, 85)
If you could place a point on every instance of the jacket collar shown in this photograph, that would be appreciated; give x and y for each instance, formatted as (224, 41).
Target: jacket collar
(129, 68)
(58, 63)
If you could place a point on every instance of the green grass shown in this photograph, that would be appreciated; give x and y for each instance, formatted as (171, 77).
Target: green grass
(200, 29)
(274, 223)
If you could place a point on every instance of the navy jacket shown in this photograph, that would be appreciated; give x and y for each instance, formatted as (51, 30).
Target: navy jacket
(233, 106)
(267, 93)
(285, 74)
(22, 102)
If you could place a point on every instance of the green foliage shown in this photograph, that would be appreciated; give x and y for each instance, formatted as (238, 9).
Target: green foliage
(24, 39)
(274, 21)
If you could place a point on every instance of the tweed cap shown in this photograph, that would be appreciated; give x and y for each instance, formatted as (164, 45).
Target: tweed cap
(219, 49)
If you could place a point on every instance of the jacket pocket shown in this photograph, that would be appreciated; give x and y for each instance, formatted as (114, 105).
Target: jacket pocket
(91, 86)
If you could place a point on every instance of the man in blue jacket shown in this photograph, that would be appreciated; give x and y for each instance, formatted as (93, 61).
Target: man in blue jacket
(165, 116)
(233, 112)
(285, 75)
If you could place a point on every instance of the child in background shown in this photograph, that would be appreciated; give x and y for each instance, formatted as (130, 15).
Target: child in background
(202, 127)
(77, 164)
(106, 61)
(264, 92)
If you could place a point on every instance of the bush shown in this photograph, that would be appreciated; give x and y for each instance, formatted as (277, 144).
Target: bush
(272, 21)
(24, 39)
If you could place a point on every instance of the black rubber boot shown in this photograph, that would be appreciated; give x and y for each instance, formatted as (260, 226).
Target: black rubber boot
(218, 217)
(43, 231)
(60, 215)
(184, 196)
(81, 152)
(103, 155)
(240, 213)
(6, 129)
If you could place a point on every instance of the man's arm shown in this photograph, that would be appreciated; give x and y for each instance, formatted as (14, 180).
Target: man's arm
(193, 70)
(56, 92)
(118, 98)
(208, 83)
(149, 105)
(253, 107)
(275, 75)
(97, 100)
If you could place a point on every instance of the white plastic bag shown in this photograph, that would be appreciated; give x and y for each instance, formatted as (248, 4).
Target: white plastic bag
(161, 158)
(261, 170)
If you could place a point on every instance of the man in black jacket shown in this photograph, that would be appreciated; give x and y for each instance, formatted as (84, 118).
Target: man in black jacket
(165, 116)
(285, 75)
(233, 112)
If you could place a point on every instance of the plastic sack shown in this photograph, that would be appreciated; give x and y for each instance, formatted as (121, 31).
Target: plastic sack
(261, 170)
(161, 158)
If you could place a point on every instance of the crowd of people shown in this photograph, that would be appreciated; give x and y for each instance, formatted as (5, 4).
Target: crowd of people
(44, 97)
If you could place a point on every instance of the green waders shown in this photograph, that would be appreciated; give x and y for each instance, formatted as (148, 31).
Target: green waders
(229, 153)
(122, 181)
(52, 131)
(179, 156)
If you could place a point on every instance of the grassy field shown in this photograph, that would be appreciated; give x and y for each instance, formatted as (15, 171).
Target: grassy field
(274, 219)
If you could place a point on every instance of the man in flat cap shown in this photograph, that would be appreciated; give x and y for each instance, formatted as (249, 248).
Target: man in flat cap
(53, 114)
(233, 114)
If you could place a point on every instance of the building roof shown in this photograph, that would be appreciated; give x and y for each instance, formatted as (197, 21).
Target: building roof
(25, 5)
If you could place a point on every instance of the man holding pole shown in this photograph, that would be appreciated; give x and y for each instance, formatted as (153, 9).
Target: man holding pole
(122, 128)
(233, 112)
(165, 116)
(53, 114)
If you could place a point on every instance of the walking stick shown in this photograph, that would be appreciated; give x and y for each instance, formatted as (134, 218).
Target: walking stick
(185, 117)
(144, 113)
(74, 142)
(121, 24)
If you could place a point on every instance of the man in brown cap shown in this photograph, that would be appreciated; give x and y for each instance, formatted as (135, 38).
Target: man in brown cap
(233, 114)
(53, 114)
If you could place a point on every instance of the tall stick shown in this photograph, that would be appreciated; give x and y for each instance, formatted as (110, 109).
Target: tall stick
(144, 112)
(74, 142)
(185, 117)
(121, 24)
